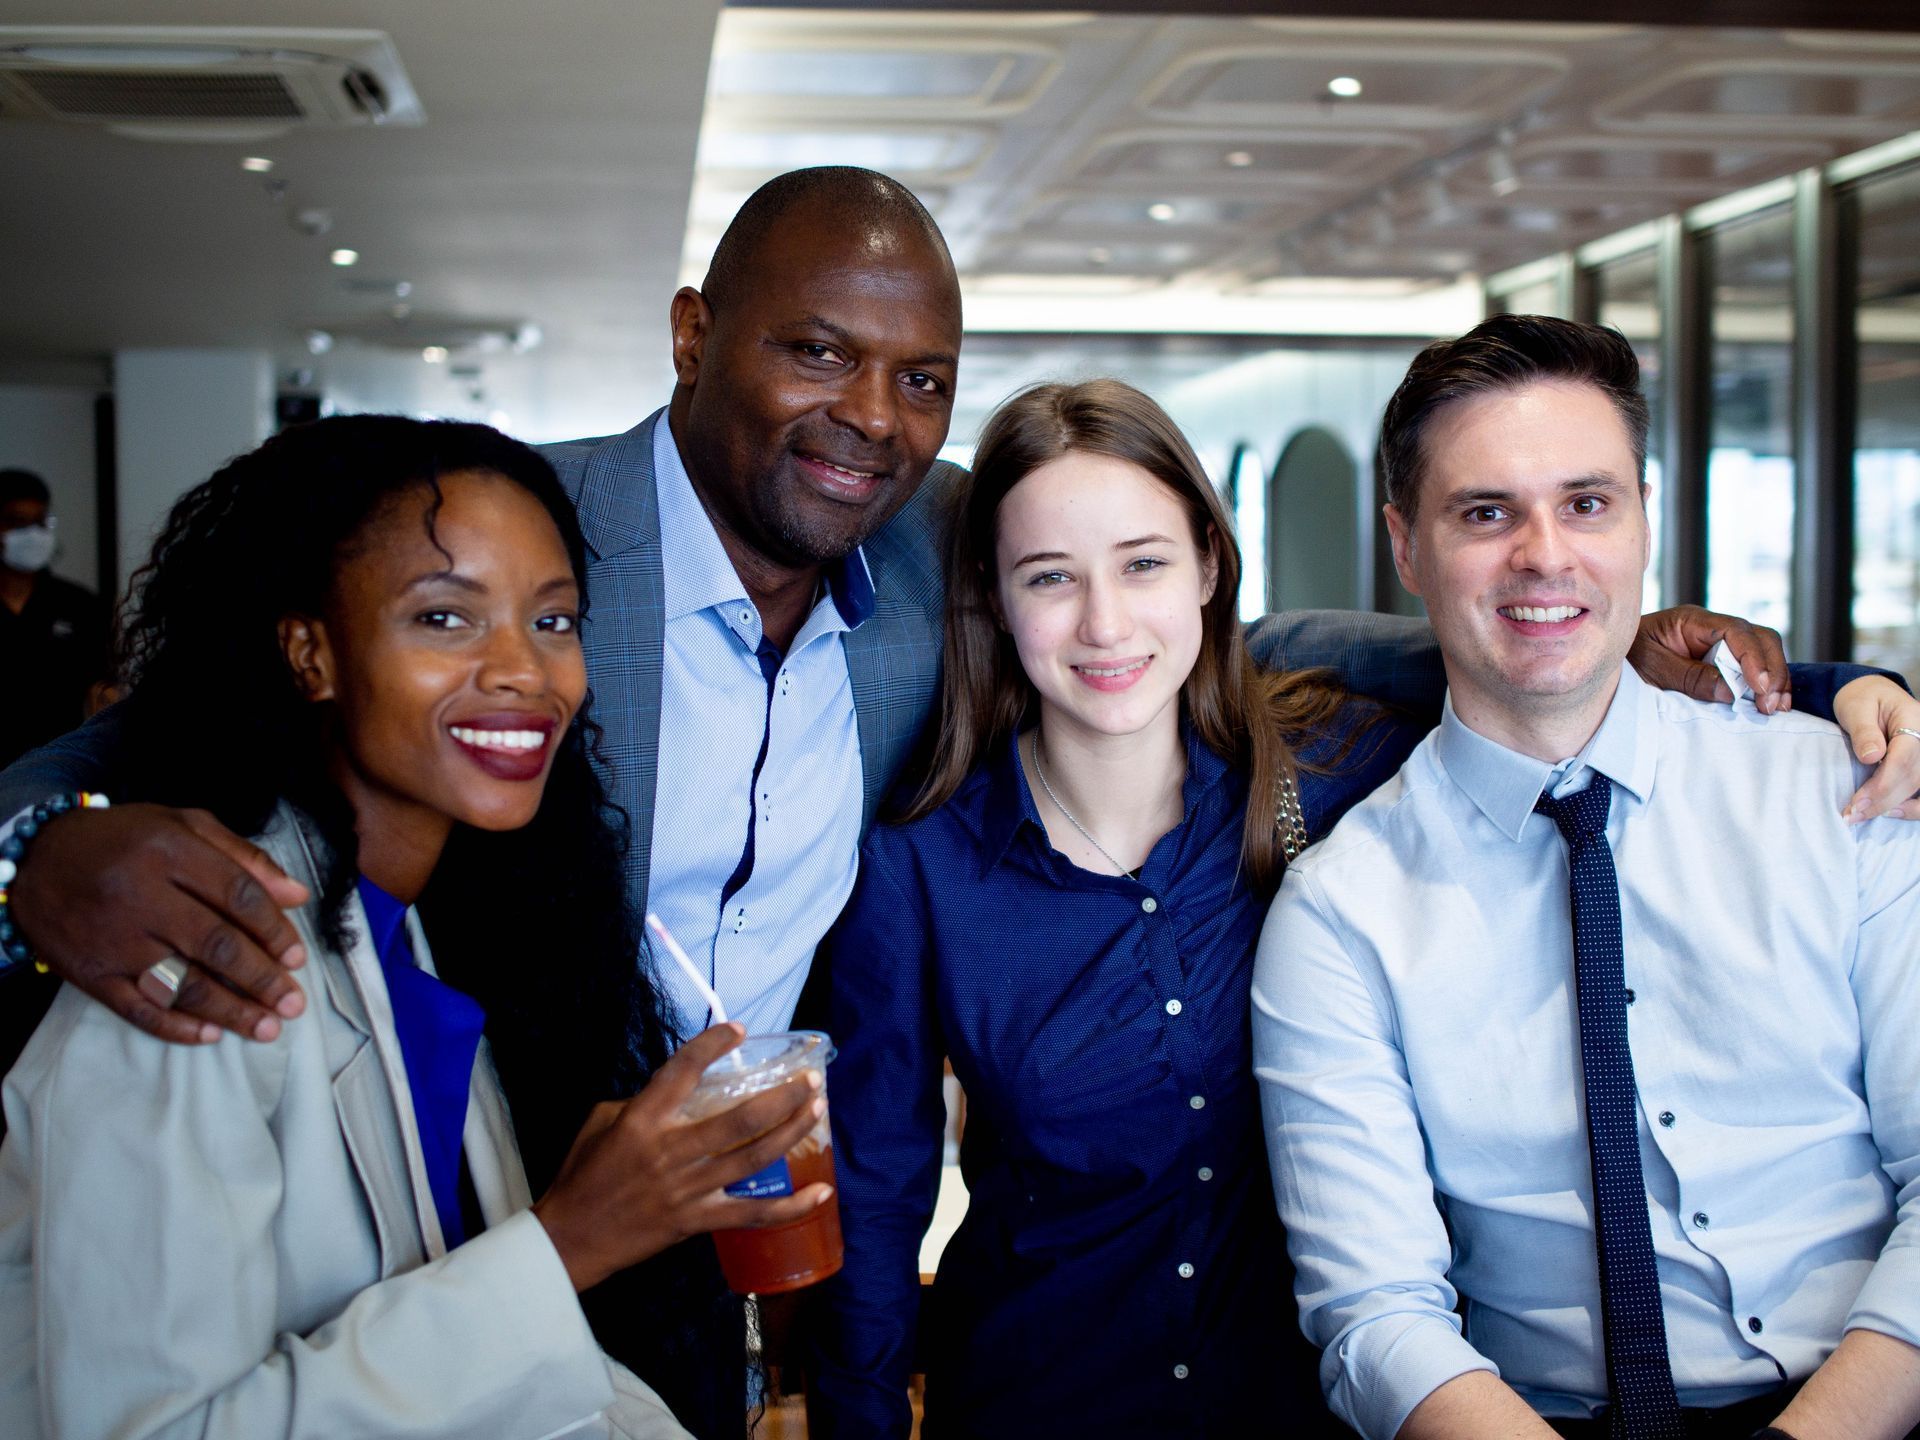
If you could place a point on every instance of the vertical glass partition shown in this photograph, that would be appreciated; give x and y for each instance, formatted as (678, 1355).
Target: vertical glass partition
(1750, 424)
(1627, 298)
(1885, 216)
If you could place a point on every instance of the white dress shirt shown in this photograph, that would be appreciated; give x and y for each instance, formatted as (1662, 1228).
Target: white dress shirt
(714, 713)
(1415, 1037)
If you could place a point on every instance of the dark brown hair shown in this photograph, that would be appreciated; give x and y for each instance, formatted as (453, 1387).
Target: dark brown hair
(1504, 353)
(1242, 713)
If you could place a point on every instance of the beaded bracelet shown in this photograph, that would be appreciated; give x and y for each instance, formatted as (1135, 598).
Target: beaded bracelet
(14, 949)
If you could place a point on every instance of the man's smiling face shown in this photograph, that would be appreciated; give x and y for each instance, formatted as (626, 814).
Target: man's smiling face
(1528, 546)
(817, 398)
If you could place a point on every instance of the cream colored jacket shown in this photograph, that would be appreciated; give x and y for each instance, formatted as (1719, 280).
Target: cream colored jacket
(239, 1241)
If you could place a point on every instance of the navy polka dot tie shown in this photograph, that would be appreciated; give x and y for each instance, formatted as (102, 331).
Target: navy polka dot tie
(1639, 1379)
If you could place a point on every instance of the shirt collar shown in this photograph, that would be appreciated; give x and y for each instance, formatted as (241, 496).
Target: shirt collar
(695, 570)
(1504, 784)
(1009, 802)
(386, 918)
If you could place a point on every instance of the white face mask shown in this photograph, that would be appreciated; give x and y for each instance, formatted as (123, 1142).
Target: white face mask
(28, 548)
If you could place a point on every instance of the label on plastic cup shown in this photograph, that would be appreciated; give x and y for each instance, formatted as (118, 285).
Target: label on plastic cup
(770, 1184)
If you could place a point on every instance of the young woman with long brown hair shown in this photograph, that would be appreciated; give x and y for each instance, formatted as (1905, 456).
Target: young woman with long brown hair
(1068, 909)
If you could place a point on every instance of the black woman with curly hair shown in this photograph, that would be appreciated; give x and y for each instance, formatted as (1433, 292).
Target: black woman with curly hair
(361, 645)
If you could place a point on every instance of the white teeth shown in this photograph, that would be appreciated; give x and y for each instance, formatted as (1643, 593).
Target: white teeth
(1544, 615)
(498, 739)
(852, 474)
(1107, 673)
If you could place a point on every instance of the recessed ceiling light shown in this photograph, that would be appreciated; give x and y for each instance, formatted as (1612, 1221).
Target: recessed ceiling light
(345, 257)
(256, 164)
(434, 354)
(1344, 87)
(1160, 210)
(1239, 159)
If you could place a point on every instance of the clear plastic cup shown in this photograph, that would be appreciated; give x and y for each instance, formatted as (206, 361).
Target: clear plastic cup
(778, 1257)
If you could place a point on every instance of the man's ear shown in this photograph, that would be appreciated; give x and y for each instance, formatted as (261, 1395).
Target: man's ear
(303, 640)
(1646, 526)
(1402, 535)
(691, 321)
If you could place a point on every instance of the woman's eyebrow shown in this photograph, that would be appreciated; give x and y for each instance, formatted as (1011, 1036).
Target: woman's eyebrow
(446, 577)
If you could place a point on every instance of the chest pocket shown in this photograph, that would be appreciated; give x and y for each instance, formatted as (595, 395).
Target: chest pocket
(364, 1102)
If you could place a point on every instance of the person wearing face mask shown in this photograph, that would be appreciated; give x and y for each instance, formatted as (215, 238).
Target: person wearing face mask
(53, 633)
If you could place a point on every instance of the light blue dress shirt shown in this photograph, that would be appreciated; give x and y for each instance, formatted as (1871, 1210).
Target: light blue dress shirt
(1416, 1045)
(714, 714)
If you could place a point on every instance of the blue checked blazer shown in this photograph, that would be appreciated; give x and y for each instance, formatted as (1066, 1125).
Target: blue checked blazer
(893, 660)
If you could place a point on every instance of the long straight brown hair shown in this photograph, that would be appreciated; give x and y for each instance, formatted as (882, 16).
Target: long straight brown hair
(1250, 717)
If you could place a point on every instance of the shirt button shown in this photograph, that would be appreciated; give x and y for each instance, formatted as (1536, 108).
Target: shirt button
(1198, 1102)
(1206, 1173)
(1149, 904)
(1173, 1007)
(746, 617)
(1179, 1372)
(1753, 1324)
(1186, 1270)
(1700, 1219)
(1666, 1118)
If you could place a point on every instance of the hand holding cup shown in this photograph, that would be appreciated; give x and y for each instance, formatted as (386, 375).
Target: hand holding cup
(642, 1176)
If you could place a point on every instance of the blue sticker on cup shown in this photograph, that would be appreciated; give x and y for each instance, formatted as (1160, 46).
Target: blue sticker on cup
(769, 1184)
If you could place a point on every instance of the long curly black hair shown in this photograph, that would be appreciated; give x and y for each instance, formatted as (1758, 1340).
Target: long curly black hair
(533, 923)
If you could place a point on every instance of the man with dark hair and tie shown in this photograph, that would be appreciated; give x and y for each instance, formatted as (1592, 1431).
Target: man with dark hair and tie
(1587, 1045)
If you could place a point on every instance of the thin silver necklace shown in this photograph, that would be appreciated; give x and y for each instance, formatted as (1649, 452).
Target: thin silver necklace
(1087, 834)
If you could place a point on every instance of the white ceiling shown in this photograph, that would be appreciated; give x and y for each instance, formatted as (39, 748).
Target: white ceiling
(550, 181)
(549, 184)
(1124, 155)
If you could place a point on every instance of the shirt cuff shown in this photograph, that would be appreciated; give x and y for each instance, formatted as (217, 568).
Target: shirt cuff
(1386, 1367)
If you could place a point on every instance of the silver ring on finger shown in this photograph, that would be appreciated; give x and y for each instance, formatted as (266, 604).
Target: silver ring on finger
(160, 981)
(1904, 730)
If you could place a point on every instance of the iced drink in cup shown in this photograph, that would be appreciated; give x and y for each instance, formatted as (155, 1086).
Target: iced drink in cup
(778, 1257)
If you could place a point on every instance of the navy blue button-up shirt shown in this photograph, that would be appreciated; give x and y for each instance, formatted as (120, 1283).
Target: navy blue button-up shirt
(1120, 1270)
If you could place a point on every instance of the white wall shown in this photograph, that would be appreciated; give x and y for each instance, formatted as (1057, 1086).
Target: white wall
(179, 415)
(48, 429)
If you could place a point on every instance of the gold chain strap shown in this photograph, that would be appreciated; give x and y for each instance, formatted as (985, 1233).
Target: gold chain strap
(1289, 819)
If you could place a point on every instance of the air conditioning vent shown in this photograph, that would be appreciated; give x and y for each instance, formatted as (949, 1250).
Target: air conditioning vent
(117, 95)
(197, 83)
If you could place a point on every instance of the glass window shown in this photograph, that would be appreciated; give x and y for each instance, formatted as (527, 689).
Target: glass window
(1627, 297)
(1750, 426)
(1542, 297)
(1248, 487)
(1886, 455)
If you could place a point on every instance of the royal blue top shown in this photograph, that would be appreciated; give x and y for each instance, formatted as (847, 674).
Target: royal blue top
(439, 1030)
(1121, 1269)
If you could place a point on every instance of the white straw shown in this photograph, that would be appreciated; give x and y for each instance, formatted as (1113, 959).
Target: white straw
(659, 927)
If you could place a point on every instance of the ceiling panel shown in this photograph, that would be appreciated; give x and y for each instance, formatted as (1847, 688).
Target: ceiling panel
(1227, 153)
